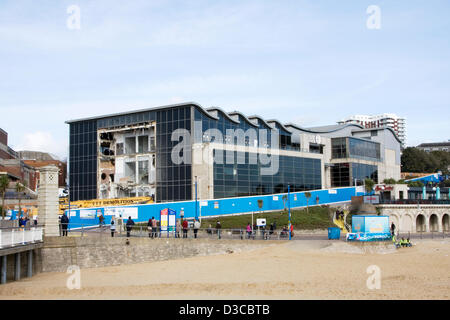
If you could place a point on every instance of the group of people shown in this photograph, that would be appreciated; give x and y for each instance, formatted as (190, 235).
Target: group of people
(339, 214)
(184, 225)
(153, 227)
(401, 243)
(267, 233)
(23, 221)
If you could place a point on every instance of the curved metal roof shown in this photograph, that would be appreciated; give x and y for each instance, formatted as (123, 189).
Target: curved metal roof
(261, 119)
(244, 117)
(280, 124)
(222, 112)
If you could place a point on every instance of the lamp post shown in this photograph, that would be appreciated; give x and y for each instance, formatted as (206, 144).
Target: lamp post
(289, 208)
(196, 204)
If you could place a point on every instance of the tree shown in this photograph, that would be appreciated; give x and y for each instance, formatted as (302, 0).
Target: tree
(307, 195)
(415, 184)
(4, 183)
(369, 183)
(416, 160)
(20, 188)
(389, 181)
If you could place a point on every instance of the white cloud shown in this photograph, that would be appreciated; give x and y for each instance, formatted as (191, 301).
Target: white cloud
(44, 142)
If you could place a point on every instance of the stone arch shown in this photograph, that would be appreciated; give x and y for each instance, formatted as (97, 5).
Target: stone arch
(406, 223)
(421, 223)
(445, 222)
(434, 223)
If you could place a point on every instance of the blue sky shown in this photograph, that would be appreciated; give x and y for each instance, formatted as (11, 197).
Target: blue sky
(307, 62)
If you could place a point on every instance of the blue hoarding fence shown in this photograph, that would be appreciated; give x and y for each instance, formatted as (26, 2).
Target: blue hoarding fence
(209, 208)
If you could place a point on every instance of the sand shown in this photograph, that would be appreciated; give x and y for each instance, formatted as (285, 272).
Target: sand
(294, 270)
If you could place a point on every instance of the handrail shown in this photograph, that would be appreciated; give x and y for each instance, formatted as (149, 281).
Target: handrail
(414, 201)
(10, 237)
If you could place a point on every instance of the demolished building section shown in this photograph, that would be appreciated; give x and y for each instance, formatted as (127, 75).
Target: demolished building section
(126, 161)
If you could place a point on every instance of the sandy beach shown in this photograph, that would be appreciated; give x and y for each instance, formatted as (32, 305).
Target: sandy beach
(295, 270)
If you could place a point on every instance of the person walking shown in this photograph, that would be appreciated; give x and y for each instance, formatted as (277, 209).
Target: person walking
(196, 227)
(218, 228)
(249, 230)
(392, 228)
(185, 228)
(154, 228)
(64, 224)
(120, 223)
(130, 224)
(177, 228)
(149, 228)
(101, 221)
(113, 226)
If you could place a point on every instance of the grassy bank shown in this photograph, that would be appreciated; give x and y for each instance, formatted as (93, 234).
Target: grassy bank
(316, 218)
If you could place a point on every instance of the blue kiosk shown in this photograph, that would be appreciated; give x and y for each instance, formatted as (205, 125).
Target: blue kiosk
(369, 227)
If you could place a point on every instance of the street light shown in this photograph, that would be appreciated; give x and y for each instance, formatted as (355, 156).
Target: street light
(289, 208)
(196, 204)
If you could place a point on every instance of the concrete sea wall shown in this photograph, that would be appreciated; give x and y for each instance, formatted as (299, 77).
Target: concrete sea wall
(58, 253)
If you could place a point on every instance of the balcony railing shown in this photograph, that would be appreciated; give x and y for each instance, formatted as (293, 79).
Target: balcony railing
(10, 237)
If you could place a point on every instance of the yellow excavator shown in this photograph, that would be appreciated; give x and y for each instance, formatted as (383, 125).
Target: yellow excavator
(64, 203)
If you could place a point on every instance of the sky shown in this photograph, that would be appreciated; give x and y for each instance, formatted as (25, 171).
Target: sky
(308, 62)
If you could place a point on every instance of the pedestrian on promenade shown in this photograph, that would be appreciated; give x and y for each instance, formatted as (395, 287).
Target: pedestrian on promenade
(154, 228)
(64, 224)
(249, 230)
(101, 220)
(113, 226)
(218, 228)
(149, 227)
(185, 228)
(177, 228)
(196, 227)
(130, 224)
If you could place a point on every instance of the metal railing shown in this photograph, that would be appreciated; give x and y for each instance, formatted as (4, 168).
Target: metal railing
(204, 233)
(424, 235)
(10, 237)
(414, 201)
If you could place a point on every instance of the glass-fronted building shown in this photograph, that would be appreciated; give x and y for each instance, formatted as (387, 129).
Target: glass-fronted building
(104, 161)
(155, 152)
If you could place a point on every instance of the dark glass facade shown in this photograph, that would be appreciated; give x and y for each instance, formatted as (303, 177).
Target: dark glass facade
(355, 148)
(344, 174)
(174, 181)
(83, 160)
(232, 180)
